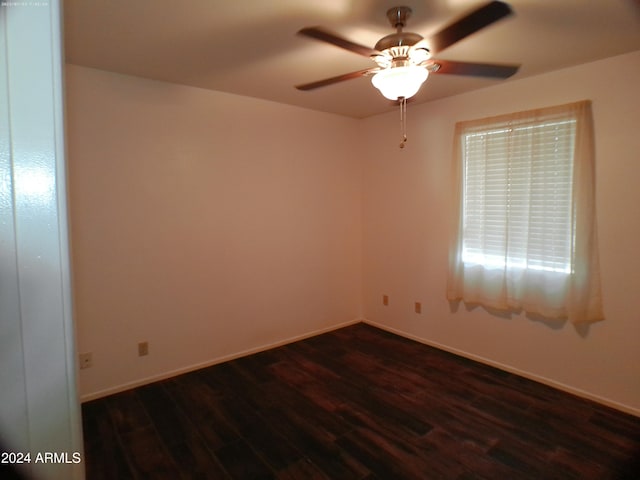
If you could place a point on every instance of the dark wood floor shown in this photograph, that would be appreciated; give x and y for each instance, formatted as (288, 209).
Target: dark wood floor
(357, 403)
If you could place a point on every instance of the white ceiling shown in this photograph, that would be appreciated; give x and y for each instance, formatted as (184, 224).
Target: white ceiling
(250, 47)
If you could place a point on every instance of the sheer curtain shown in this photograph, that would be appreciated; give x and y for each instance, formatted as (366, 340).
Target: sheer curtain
(524, 187)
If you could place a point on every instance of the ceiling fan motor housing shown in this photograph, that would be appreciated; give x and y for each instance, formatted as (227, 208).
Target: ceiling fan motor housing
(398, 39)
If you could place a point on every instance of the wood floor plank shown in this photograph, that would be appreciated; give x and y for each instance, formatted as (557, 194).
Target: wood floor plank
(302, 469)
(318, 444)
(399, 461)
(271, 446)
(241, 462)
(468, 456)
(104, 455)
(147, 456)
(126, 412)
(357, 403)
(200, 406)
(187, 447)
(566, 464)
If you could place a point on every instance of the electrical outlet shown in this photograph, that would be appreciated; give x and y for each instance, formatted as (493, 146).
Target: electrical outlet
(418, 307)
(86, 360)
(143, 349)
(385, 299)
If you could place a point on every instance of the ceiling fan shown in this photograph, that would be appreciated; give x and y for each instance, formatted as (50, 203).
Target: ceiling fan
(404, 59)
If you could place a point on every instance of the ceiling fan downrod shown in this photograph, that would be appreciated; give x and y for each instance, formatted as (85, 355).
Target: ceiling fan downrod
(398, 17)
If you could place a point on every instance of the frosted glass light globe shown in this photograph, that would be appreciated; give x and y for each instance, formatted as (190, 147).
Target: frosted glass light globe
(398, 82)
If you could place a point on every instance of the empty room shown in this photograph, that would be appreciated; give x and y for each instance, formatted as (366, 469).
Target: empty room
(363, 239)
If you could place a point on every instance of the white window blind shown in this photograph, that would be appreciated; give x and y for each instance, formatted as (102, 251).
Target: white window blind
(517, 194)
(525, 238)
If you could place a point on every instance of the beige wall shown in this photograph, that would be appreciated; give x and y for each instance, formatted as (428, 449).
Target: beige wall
(204, 223)
(212, 225)
(408, 215)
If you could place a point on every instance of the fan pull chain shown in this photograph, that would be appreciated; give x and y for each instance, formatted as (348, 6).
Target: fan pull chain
(403, 120)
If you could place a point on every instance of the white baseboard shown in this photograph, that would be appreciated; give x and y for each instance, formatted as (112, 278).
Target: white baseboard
(537, 378)
(163, 376)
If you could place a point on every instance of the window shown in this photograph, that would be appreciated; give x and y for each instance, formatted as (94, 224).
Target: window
(525, 239)
(517, 195)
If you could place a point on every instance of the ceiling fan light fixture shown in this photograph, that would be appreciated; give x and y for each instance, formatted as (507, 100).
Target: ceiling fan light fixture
(400, 82)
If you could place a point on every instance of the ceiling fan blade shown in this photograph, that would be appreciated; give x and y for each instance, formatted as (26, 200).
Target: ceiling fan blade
(339, 78)
(476, 69)
(325, 36)
(469, 24)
